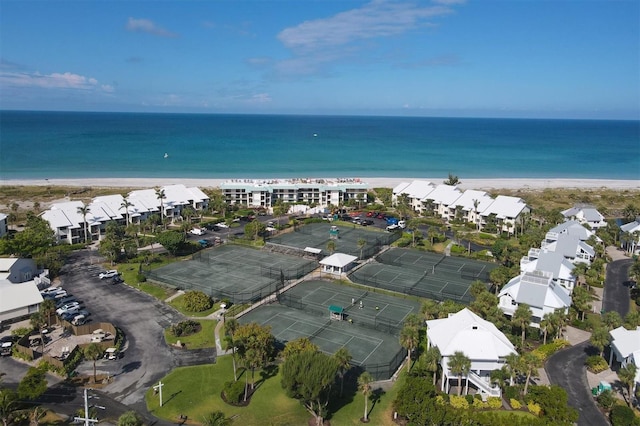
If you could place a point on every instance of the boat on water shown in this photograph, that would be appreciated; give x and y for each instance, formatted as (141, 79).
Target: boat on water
(166, 155)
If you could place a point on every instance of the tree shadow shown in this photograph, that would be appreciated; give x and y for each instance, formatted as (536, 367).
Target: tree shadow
(267, 373)
(375, 397)
(127, 368)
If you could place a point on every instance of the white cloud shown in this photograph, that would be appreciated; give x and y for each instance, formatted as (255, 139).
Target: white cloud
(148, 26)
(65, 80)
(375, 19)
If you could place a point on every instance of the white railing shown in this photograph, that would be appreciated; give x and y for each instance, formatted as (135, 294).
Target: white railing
(482, 384)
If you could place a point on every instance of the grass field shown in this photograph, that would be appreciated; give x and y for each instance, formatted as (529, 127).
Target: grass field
(205, 338)
(195, 391)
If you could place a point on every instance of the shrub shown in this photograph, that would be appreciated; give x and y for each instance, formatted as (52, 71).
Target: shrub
(440, 400)
(545, 351)
(511, 392)
(141, 278)
(478, 403)
(196, 301)
(494, 402)
(459, 402)
(515, 404)
(233, 391)
(606, 399)
(469, 398)
(185, 328)
(622, 415)
(596, 364)
(534, 408)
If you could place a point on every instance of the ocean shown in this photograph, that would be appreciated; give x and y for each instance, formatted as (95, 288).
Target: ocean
(68, 145)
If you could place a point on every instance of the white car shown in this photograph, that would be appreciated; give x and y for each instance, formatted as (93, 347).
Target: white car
(222, 225)
(392, 228)
(108, 274)
(69, 307)
(197, 231)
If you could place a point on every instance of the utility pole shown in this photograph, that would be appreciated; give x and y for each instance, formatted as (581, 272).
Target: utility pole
(86, 419)
(158, 388)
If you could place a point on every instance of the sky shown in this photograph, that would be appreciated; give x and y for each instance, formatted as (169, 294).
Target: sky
(485, 58)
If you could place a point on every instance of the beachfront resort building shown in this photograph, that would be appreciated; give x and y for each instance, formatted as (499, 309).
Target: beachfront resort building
(70, 220)
(500, 214)
(316, 192)
(558, 266)
(585, 214)
(19, 292)
(479, 340)
(537, 290)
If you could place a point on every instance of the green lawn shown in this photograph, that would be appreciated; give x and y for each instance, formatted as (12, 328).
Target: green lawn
(205, 338)
(178, 303)
(195, 391)
(129, 273)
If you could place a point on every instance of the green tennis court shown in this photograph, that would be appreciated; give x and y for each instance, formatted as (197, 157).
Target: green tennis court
(238, 273)
(317, 235)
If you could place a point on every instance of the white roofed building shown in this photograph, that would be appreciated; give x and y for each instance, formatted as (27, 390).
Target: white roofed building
(439, 200)
(630, 238)
(537, 290)
(506, 211)
(19, 293)
(68, 223)
(558, 266)
(337, 263)
(416, 191)
(625, 347)
(470, 204)
(585, 214)
(571, 247)
(573, 228)
(480, 341)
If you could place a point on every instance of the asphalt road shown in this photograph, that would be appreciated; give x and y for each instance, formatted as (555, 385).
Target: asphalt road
(567, 369)
(616, 290)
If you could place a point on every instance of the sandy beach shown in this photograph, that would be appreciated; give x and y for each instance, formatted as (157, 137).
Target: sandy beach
(378, 182)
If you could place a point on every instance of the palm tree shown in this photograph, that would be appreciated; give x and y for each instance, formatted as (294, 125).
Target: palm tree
(160, 195)
(125, 205)
(8, 405)
(84, 211)
(130, 418)
(36, 414)
(93, 352)
(521, 318)
(545, 325)
(512, 362)
(361, 243)
(430, 309)
(230, 327)
(364, 384)
(48, 309)
(343, 358)
(600, 338)
(530, 363)
(460, 365)
(476, 203)
(38, 322)
(409, 340)
(627, 376)
(432, 360)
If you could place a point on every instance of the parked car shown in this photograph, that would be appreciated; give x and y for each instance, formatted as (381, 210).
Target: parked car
(365, 222)
(65, 300)
(50, 290)
(197, 231)
(79, 320)
(115, 280)
(392, 228)
(108, 274)
(68, 307)
(6, 343)
(58, 294)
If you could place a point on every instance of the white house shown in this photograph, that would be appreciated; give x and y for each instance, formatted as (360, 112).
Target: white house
(625, 347)
(4, 227)
(506, 211)
(537, 290)
(585, 214)
(480, 341)
(558, 266)
(19, 293)
(68, 224)
(630, 238)
(440, 199)
(570, 227)
(470, 204)
(337, 263)
(416, 191)
(571, 247)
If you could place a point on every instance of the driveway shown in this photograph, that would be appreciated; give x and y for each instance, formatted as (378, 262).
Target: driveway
(567, 369)
(616, 289)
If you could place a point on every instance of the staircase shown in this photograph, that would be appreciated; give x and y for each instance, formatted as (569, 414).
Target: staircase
(484, 387)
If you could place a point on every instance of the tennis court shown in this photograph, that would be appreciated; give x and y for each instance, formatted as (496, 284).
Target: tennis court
(241, 274)
(370, 334)
(423, 274)
(317, 235)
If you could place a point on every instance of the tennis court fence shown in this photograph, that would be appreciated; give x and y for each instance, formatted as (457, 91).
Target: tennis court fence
(385, 371)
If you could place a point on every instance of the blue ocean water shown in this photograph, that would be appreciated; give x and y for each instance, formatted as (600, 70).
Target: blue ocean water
(48, 145)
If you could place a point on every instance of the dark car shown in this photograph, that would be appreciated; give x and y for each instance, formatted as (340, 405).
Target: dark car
(115, 280)
(366, 222)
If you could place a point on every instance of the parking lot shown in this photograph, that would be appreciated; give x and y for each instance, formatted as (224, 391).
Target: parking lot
(145, 358)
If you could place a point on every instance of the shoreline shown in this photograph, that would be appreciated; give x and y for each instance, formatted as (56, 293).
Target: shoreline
(377, 182)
